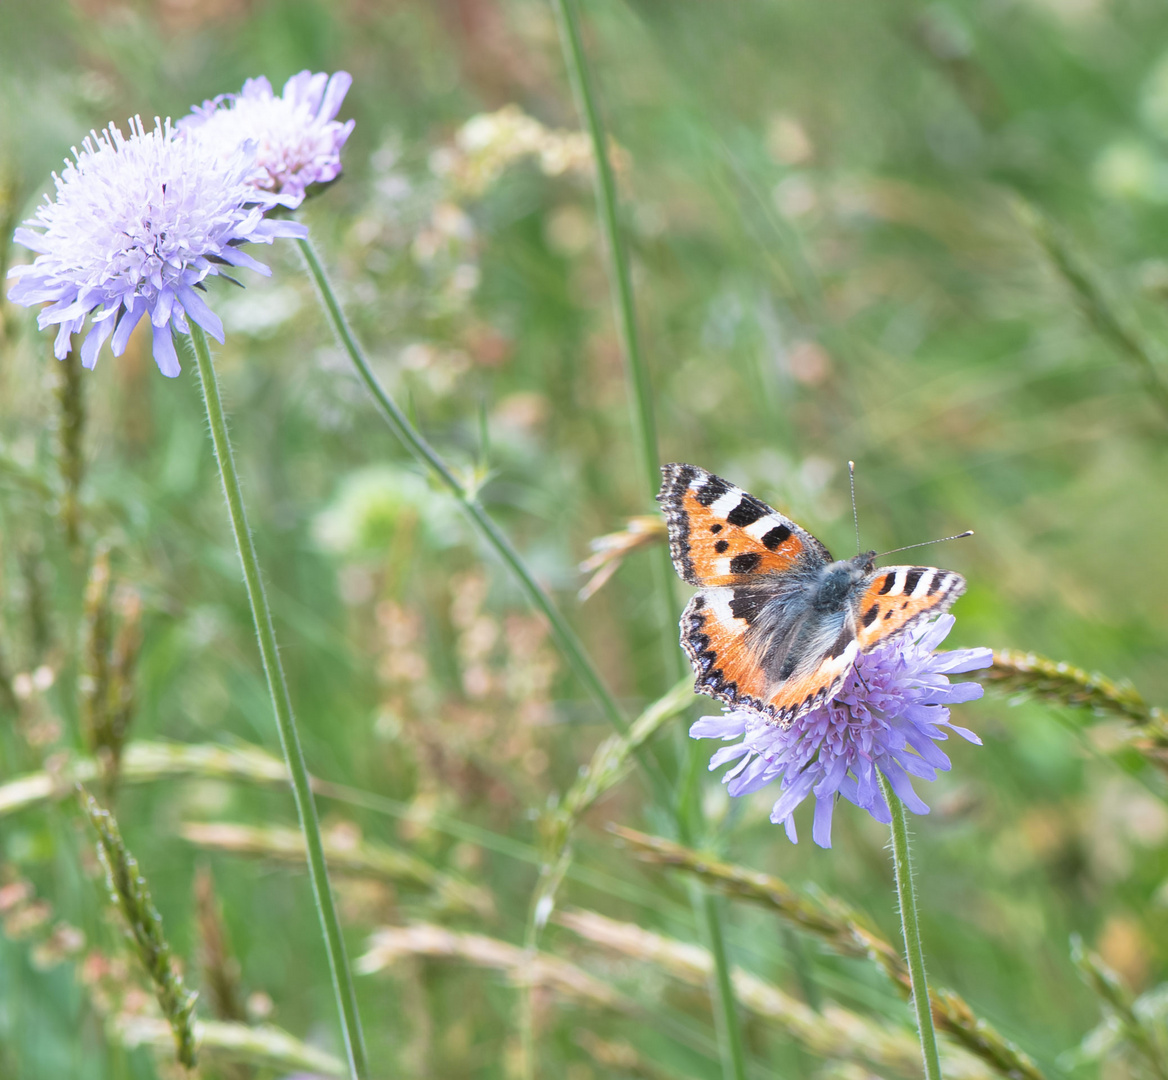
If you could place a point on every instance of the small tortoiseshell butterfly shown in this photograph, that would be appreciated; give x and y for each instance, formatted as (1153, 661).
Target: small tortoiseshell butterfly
(777, 624)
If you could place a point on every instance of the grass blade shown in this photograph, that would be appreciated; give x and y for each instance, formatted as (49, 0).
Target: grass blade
(844, 931)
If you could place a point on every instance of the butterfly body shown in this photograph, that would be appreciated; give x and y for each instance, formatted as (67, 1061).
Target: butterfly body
(777, 624)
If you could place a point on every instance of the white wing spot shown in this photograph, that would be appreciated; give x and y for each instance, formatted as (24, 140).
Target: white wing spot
(923, 585)
(722, 506)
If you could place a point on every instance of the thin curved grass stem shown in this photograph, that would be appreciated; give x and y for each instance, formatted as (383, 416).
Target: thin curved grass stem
(644, 422)
(640, 384)
(285, 720)
(910, 927)
(566, 638)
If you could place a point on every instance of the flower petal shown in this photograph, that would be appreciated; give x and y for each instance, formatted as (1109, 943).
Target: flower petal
(129, 320)
(959, 660)
(821, 824)
(902, 785)
(98, 332)
(196, 308)
(891, 714)
(338, 87)
(164, 355)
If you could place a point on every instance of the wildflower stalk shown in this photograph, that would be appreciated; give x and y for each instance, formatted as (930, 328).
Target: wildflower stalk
(911, 929)
(132, 898)
(645, 437)
(843, 930)
(71, 402)
(282, 706)
(569, 643)
(640, 385)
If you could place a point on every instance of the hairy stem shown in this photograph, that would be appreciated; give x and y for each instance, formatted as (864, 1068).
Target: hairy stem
(413, 440)
(285, 721)
(645, 437)
(910, 927)
(640, 385)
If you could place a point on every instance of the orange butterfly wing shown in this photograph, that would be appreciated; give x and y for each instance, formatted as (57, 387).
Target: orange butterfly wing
(729, 543)
(720, 535)
(730, 661)
(738, 551)
(898, 597)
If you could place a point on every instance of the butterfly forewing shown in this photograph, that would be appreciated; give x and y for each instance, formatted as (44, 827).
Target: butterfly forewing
(720, 535)
(898, 597)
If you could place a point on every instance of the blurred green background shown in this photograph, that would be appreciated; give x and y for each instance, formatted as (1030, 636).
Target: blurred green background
(826, 205)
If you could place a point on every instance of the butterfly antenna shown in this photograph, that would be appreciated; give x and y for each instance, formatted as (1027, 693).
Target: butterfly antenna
(926, 543)
(855, 516)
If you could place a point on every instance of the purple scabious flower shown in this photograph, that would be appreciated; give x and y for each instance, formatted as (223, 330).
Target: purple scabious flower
(298, 143)
(888, 716)
(138, 224)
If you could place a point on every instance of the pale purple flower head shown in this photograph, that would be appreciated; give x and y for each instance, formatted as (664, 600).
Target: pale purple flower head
(298, 141)
(137, 225)
(888, 716)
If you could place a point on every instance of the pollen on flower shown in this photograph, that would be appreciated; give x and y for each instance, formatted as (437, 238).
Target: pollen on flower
(888, 716)
(137, 226)
(298, 142)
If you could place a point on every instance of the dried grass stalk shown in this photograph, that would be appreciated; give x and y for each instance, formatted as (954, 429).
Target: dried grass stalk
(1064, 684)
(845, 932)
(609, 764)
(223, 1042)
(347, 853)
(1144, 1036)
(390, 944)
(833, 1032)
(131, 896)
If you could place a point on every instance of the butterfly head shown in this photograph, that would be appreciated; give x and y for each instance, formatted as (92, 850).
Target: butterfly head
(863, 563)
(839, 579)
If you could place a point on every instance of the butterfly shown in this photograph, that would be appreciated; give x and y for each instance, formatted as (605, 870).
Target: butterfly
(777, 624)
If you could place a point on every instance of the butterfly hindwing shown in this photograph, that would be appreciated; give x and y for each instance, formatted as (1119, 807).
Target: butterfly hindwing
(802, 693)
(719, 535)
(715, 640)
(898, 597)
(732, 649)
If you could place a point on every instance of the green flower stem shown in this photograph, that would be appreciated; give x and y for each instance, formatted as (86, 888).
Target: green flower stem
(285, 721)
(910, 927)
(640, 384)
(644, 422)
(645, 436)
(570, 645)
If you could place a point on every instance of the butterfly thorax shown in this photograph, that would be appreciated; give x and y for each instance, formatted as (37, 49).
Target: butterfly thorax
(838, 579)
